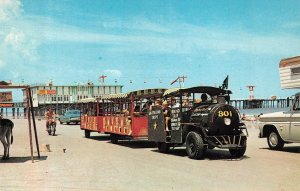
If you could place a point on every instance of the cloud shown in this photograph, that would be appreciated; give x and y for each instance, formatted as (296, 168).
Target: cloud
(174, 39)
(113, 73)
(9, 9)
(22, 44)
(17, 36)
(136, 24)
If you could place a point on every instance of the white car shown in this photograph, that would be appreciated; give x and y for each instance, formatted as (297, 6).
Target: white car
(281, 127)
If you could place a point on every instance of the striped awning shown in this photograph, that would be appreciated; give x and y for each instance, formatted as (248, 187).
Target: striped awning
(114, 96)
(87, 100)
(172, 90)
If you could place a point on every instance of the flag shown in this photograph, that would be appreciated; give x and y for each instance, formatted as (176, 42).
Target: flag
(225, 83)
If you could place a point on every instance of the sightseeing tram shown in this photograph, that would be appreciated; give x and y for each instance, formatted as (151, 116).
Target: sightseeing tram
(122, 115)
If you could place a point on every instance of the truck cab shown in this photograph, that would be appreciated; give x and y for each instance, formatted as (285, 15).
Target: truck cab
(281, 127)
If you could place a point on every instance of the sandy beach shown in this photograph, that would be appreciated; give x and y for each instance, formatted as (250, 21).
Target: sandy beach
(96, 164)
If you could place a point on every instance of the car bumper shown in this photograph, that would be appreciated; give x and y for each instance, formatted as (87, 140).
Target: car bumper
(75, 120)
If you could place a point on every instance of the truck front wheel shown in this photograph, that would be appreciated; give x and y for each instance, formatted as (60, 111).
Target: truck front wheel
(237, 153)
(274, 140)
(194, 145)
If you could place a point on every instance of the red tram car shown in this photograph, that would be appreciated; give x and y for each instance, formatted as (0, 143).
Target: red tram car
(121, 115)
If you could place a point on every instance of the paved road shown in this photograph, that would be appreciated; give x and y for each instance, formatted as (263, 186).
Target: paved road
(96, 164)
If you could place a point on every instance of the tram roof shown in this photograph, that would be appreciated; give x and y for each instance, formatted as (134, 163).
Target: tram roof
(137, 93)
(197, 89)
(148, 92)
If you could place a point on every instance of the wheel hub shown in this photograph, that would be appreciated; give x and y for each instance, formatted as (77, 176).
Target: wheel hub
(273, 139)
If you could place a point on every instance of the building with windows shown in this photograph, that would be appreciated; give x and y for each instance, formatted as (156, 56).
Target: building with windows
(63, 97)
(289, 69)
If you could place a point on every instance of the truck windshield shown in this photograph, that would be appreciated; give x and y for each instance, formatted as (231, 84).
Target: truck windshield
(296, 106)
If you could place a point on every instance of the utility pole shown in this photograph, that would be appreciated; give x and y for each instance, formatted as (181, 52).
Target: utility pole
(179, 79)
(251, 91)
(101, 79)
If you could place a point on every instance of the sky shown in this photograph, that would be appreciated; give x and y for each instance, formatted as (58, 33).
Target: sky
(147, 44)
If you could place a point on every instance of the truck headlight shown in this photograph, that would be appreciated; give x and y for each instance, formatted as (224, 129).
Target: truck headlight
(227, 121)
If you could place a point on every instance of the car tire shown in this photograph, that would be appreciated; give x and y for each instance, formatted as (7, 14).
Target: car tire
(53, 129)
(275, 142)
(49, 129)
(60, 122)
(87, 133)
(163, 147)
(68, 123)
(194, 145)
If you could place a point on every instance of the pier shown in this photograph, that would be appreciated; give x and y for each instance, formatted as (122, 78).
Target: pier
(261, 103)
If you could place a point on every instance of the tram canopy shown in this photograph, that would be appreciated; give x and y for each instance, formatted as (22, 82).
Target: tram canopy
(197, 89)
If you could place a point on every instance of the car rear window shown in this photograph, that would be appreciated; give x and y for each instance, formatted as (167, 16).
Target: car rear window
(72, 112)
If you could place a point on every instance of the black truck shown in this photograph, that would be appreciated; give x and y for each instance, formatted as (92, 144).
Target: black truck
(199, 123)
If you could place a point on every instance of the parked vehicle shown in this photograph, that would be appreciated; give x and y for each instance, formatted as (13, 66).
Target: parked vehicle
(284, 127)
(70, 116)
(281, 127)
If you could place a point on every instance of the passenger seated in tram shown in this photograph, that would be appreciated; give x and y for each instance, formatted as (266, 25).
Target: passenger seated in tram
(137, 110)
(167, 114)
(174, 104)
(127, 118)
(204, 98)
(146, 107)
(158, 102)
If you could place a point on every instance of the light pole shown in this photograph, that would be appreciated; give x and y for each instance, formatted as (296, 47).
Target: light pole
(101, 79)
(180, 79)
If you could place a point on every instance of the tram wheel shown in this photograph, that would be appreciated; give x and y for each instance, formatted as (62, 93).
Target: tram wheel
(87, 133)
(163, 147)
(114, 138)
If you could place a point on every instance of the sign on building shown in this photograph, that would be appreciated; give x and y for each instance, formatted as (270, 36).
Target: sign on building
(6, 97)
(46, 92)
(5, 105)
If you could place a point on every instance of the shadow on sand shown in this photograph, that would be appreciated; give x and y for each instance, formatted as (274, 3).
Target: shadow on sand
(23, 159)
(100, 138)
(288, 149)
(136, 144)
(210, 154)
